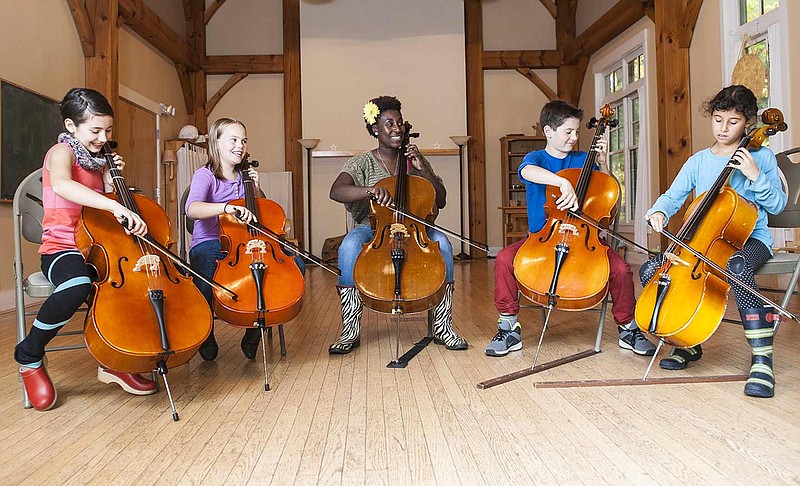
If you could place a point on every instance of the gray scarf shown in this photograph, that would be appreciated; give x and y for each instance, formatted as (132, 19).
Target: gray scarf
(86, 159)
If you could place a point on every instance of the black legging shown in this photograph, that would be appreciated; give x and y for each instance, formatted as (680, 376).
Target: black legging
(743, 264)
(70, 276)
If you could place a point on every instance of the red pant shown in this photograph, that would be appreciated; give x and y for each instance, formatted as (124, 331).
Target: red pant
(620, 284)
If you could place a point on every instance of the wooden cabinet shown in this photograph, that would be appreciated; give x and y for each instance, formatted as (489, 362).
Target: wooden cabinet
(513, 150)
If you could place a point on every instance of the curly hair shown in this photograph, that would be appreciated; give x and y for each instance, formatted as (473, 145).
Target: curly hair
(384, 103)
(555, 112)
(735, 97)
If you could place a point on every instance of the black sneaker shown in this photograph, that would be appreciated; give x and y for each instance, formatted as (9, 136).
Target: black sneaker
(634, 340)
(679, 358)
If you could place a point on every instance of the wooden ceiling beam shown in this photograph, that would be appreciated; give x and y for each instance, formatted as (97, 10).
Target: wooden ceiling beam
(550, 5)
(535, 59)
(614, 22)
(539, 82)
(565, 36)
(251, 64)
(211, 10)
(186, 87)
(145, 22)
(83, 25)
(689, 21)
(222, 91)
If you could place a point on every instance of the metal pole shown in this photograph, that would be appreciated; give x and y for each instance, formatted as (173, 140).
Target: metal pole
(463, 255)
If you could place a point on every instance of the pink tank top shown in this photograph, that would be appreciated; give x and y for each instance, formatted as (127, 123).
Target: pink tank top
(61, 216)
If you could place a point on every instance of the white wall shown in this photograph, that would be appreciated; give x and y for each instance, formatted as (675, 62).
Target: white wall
(414, 52)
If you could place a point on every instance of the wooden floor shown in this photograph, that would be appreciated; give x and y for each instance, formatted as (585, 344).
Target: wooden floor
(350, 420)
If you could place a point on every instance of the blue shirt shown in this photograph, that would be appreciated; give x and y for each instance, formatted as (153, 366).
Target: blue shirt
(703, 168)
(535, 194)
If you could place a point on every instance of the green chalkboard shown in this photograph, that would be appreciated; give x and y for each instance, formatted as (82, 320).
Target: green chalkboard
(30, 125)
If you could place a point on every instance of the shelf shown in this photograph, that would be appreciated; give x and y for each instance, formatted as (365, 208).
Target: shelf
(353, 153)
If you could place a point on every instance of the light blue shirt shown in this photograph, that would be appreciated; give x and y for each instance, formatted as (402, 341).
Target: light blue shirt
(703, 168)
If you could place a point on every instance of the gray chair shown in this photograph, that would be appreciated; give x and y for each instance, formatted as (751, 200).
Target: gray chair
(28, 214)
(786, 260)
(186, 225)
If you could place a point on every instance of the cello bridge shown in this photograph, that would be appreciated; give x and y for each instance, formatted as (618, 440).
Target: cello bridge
(147, 263)
(255, 245)
(398, 228)
(568, 228)
(675, 259)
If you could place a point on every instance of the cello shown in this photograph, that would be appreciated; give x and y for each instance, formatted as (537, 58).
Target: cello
(170, 319)
(268, 284)
(565, 264)
(401, 270)
(684, 303)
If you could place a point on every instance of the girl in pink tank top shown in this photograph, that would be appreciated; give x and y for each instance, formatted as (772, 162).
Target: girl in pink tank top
(74, 175)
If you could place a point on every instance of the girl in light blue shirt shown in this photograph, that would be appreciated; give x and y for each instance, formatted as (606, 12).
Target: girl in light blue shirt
(756, 179)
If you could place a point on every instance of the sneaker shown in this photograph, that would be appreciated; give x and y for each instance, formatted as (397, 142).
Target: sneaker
(634, 340)
(130, 382)
(504, 342)
(679, 358)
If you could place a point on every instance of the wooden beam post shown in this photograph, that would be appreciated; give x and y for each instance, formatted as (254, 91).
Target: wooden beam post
(293, 114)
(196, 36)
(102, 69)
(476, 155)
(565, 36)
(674, 103)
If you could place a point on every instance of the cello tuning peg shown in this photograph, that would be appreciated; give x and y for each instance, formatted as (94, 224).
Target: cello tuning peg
(592, 122)
(254, 163)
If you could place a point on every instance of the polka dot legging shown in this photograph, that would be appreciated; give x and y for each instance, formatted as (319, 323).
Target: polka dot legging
(743, 264)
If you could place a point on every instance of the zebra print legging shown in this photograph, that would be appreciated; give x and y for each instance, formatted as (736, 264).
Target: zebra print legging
(743, 264)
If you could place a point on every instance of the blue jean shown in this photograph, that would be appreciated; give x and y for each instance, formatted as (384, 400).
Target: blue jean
(203, 259)
(358, 236)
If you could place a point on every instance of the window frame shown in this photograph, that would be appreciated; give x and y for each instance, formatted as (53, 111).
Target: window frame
(772, 25)
(622, 97)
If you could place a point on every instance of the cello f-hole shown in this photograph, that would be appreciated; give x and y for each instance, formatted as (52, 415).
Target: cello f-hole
(549, 233)
(114, 283)
(586, 238)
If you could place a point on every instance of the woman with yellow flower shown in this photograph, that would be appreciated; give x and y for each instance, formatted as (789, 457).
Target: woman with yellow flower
(354, 187)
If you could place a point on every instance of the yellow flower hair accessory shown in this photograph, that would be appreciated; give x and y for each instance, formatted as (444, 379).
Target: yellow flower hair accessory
(371, 112)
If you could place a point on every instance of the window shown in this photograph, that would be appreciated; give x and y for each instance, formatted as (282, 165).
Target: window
(749, 10)
(761, 25)
(622, 93)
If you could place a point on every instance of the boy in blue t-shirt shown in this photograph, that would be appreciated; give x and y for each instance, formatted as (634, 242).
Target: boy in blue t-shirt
(560, 122)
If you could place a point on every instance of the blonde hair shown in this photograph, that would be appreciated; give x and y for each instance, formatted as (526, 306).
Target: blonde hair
(214, 134)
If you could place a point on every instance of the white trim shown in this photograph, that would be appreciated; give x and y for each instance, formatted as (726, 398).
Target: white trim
(637, 44)
(139, 99)
(775, 25)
